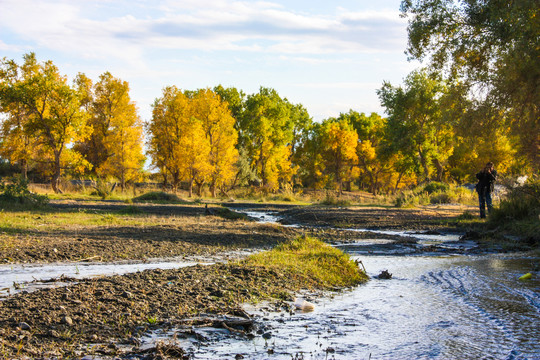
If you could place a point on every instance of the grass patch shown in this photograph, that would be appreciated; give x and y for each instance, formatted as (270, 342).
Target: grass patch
(317, 263)
(158, 196)
(227, 213)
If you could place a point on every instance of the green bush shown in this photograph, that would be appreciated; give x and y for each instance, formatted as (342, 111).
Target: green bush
(433, 193)
(15, 192)
(521, 202)
(103, 189)
(435, 186)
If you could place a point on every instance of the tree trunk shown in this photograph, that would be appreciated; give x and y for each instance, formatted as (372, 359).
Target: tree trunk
(24, 169)
(190, 187)
(398, 181)
(440, 170)
(423, 161)
(55, 181)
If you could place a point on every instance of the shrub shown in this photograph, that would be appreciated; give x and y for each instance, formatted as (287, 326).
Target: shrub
(157, 196)
(103, 189)
(433, 193)
(331, 200)
(435, 186)
(15, 192)
(521, 202)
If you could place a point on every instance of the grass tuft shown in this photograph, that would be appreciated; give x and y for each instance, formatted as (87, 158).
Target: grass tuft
(309, 258)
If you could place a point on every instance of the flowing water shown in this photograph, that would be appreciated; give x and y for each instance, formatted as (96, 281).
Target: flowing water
(434, 307)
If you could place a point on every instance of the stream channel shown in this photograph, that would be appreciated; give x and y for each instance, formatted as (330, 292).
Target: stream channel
(447, 305)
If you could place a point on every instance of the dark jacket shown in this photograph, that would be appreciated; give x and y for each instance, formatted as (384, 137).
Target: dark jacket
(486, 181)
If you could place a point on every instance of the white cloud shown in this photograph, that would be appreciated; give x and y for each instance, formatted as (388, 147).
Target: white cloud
(209, 25)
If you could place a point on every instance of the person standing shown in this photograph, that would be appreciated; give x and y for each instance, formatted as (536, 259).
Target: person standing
(486, 182)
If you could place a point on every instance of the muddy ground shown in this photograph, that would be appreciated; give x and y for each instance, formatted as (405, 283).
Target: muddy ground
(106, 316)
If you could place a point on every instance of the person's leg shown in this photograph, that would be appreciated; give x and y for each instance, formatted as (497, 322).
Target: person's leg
(489, 202)
(482, 203)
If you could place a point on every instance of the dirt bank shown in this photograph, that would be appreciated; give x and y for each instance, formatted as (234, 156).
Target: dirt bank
(98, 316)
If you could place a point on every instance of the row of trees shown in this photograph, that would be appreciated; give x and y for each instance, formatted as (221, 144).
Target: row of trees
(476, 101)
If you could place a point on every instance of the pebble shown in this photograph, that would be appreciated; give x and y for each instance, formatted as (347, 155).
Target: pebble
(267, 335)
(24, 326)
(67, 320)
(127, 295)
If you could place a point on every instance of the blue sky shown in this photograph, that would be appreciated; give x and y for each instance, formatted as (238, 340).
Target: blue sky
(330, 56)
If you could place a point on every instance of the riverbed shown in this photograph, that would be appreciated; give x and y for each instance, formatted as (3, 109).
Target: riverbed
(443, 301)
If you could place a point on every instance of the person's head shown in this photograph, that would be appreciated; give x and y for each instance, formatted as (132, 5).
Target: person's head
(489, 166)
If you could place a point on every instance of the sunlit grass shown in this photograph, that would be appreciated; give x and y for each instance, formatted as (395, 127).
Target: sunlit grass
(313, 260)
(24, 221)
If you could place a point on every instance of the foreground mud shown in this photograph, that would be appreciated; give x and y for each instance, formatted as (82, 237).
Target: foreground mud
(96, 316)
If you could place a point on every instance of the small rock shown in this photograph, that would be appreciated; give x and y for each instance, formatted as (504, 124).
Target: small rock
(67, 320)
(54, 334)
(385, 275)
(239, 356)
(24, 326)
(330, 350)
(267, 335)
(127, 295)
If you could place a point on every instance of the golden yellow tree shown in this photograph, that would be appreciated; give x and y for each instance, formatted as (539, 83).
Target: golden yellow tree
(339, 141)
(170, 116)
(221, 137)
(17, 145)
(194, 152)
(53, 109)
(115, 144)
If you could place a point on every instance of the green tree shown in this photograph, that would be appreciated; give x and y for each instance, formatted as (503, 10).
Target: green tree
(267, 130)
(492, 46)
(415, 128)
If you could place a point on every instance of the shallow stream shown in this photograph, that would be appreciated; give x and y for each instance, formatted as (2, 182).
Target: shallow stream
(434, 307)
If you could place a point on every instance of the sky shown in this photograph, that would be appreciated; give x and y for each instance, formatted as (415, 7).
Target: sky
(329, 56)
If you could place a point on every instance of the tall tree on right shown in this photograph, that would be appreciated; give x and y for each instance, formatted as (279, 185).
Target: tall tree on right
(415, 128)
(493, 46)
